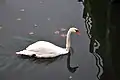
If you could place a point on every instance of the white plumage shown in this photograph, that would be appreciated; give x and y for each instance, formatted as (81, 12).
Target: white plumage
(44, 49)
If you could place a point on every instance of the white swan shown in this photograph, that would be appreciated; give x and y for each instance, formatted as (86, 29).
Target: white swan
(44, 49)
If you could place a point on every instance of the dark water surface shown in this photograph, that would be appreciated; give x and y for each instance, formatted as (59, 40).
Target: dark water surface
(102, 24)
(49, 15)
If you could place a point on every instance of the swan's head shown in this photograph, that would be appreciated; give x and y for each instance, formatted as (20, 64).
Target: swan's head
(74, 30)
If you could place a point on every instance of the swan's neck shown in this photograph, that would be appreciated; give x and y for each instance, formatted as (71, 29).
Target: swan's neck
(68, 43)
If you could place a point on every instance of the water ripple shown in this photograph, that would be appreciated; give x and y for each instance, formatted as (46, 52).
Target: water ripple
(96, 45)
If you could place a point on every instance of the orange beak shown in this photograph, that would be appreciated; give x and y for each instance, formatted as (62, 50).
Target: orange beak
(78, 33)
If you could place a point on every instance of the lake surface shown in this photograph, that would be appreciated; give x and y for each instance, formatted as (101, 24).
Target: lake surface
(24, 22)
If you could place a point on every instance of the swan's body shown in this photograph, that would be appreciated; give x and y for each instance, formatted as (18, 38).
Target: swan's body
(44, 49)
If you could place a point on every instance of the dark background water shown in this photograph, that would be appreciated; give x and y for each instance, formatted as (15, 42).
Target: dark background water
(103, 17)
(49, 15)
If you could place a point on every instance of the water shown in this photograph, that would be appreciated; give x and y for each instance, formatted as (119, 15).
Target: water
(102, 24)
(49, 16)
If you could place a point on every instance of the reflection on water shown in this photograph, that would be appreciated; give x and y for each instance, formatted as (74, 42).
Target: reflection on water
(94, 45)
(48, 61)
(101, 21)
(71, 69)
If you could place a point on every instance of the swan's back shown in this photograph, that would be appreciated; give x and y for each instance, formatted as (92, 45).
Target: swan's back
(44, 46)
(43, 49)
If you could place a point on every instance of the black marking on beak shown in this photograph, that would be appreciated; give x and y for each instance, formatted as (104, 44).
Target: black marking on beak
(77, 30)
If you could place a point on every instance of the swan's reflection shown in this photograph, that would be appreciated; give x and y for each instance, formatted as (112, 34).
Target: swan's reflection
(71, 69)
(48, 61)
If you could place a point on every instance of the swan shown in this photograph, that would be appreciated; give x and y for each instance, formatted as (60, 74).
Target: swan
(44, 49)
